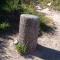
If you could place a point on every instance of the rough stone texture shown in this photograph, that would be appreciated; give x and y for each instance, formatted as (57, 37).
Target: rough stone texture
(28, 30)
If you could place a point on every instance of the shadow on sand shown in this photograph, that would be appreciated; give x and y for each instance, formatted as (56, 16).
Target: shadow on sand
(3, 45)
(47, 29)
(45, 53)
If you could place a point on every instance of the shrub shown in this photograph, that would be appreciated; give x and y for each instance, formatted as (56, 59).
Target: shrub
(29, 8)
(9, 5)
(56, 5)
(4, 25)
(46, 23)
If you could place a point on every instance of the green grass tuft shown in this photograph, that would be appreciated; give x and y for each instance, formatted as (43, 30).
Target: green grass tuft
(22, 49)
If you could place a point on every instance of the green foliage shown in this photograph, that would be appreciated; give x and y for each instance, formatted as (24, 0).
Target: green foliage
(29, 8)
(4, 25)
(45, 22)
(44, 2)
(44, 19)
(22, 49)
(9, 5)
(12, 5)
(55, 3)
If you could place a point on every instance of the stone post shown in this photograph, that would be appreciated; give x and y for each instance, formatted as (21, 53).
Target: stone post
(28, 31)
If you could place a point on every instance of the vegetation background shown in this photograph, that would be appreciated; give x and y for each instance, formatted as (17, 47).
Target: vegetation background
(10, 11)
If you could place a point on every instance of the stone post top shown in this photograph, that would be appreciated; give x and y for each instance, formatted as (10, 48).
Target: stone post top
(29, 16)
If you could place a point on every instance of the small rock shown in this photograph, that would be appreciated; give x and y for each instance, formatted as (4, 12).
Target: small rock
(15, 41)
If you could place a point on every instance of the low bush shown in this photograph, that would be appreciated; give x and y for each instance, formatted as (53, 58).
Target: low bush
(9, 5)
(45, 21)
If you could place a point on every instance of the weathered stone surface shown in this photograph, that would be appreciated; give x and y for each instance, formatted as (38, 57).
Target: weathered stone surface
(28, 30)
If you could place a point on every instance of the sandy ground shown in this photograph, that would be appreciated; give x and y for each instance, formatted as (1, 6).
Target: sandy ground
(52, 41)
(49, 45)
